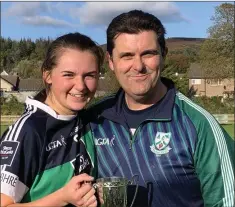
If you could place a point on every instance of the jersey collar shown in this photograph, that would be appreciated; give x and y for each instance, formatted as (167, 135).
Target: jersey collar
(164, 110)
(48, 110)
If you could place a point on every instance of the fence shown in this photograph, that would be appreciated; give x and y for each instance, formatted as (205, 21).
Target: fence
(221, 118)
(224, 118)
(7, 120)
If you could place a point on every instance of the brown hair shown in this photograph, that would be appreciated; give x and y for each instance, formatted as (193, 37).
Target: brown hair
(134, 22)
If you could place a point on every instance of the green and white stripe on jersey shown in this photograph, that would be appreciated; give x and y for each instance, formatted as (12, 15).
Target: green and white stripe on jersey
(218, 137)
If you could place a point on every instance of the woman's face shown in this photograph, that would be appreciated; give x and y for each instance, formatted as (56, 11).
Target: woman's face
(73, 81)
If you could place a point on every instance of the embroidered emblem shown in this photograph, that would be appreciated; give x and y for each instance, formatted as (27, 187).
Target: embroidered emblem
(161, 142)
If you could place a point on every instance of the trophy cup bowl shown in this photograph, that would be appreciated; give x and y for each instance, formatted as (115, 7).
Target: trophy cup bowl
(112, 191)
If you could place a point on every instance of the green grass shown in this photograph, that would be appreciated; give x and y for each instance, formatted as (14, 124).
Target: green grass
(3, 128)
(229, 128)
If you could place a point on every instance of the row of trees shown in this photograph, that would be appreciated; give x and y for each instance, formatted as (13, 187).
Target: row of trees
(24, 56)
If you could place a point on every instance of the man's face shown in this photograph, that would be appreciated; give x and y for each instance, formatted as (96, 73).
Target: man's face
(137, 63)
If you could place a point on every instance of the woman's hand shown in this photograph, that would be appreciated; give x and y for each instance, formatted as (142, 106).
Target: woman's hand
(78, 192)
(89, 199)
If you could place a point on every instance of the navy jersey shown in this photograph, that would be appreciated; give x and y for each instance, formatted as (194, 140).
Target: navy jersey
(182, 156)
(42, 151)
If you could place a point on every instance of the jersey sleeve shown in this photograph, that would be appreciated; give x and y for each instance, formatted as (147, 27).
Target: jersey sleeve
(20, 152)
(214, 163)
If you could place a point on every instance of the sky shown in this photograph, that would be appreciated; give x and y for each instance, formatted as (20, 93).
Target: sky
(51, 19)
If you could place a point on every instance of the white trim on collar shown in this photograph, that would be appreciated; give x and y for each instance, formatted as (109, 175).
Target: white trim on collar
(48, 109)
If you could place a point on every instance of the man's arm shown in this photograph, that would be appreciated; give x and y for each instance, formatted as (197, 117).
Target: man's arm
(214, 164)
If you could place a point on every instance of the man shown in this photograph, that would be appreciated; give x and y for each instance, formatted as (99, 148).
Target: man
(182, 155)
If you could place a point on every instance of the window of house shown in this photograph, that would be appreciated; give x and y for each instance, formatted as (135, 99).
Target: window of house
(216, 82)
(196, 81)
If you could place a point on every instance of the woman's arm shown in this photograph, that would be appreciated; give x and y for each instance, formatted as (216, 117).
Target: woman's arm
(73, 192)
(53, 199)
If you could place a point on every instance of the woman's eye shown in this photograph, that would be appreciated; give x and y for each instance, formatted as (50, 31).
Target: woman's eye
(68, 75)
(90, 76)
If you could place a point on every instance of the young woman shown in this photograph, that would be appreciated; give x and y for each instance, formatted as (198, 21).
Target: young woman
(46, 155)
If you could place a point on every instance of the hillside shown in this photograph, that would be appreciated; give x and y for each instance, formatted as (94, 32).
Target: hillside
(177, 43)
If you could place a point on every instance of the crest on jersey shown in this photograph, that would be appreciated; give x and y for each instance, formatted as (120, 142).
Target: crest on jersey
(161, 143)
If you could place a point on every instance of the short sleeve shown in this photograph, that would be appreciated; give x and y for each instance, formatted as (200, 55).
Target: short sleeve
(20, 152)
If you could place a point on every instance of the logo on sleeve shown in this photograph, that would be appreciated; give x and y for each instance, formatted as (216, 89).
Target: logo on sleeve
(8, 151)
(161, 143)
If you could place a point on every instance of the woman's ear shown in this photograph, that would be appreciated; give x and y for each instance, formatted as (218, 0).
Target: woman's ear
(47, 77)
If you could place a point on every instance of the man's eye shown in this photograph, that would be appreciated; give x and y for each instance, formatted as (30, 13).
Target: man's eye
(147, 55)
(127, 57)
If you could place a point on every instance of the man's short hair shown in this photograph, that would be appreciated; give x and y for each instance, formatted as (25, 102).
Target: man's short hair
(134, 22)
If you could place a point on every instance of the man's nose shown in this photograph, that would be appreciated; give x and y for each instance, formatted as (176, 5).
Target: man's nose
(138, 64)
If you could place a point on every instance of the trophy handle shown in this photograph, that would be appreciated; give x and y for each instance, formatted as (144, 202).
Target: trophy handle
(135, 178)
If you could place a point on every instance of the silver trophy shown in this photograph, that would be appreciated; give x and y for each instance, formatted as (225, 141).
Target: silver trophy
(112, 191)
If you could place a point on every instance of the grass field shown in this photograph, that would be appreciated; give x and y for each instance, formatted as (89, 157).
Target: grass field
(3, 128)
(229, 128)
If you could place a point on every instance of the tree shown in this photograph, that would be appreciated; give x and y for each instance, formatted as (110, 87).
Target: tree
(179, 63)
(192, 53)
(180, 81)
(29, 69)
(217, 52)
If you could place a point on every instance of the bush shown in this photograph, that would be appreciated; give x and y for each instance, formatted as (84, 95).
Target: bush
(214, 104)
(11, 106)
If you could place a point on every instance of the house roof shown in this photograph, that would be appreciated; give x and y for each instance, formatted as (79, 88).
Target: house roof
(12, 79)
(4, 72)
(195, 71)
(31, 85)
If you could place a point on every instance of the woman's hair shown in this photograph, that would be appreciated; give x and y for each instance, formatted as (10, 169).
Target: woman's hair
(68, 41)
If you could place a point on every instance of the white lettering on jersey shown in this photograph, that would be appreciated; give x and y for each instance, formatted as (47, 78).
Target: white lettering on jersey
(8, 150)
(55, 144)
(75, 138)
(75, 131)
(74, 134)
(12, 186)
(105, 141)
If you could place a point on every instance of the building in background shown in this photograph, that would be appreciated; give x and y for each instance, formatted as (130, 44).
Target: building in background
(206, 86)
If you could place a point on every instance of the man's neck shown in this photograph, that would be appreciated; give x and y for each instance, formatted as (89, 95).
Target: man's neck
(147, 100)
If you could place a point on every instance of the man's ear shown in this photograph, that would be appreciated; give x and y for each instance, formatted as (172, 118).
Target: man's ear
(46, 75)
(110, 60)
(164, 54)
